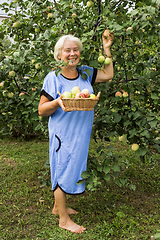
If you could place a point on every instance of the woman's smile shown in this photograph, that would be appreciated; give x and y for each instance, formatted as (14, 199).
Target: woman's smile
(70, 52)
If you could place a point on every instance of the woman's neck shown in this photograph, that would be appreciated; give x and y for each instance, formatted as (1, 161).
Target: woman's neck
(70, 72)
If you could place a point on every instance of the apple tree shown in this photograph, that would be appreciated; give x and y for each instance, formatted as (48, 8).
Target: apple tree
(129, 103)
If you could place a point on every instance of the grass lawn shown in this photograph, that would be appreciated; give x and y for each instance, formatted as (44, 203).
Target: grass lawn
(110, 213)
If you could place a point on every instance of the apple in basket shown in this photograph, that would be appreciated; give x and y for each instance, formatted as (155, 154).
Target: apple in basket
(67, 95)
(80, 95)
(85, 92)
(93, 96)
(75, 90)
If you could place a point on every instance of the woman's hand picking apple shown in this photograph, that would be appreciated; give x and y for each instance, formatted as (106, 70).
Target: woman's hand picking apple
(107, 42)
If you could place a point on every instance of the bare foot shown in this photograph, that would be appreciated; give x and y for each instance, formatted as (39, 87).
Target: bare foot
(69, 211)
(71, 226)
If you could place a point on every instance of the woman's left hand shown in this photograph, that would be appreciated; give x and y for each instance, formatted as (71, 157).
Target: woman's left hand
(107, 42)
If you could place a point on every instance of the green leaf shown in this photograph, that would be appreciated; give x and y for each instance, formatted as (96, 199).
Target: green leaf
(84, 76)
(132, 187)
(88, 72)
(116, 168)
(80, 182)
(154, 96)
(145, 133)
(85, 175)
(106, 169)
(157, 236)
(153, 123)
(117, 118)
(107, 177)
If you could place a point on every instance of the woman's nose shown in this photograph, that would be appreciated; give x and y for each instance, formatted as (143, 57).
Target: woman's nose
(72, 52)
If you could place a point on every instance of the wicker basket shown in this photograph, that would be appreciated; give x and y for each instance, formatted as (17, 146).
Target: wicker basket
(79, 104)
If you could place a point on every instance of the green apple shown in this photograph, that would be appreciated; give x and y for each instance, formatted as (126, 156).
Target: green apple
(1, 84)
(33, 61)
(122, 138)
(74, 15)
(75, 90)
(101, 59)
(12, 73)
(4, 93)
(92, 96)
(11, 94)
(107, 61)
(67, 94)
(37, 30)
(50, 15)
(106, 33)
(49, 9)
(38, 65)
(125, 94)
(16, 24)
(135, 147)
(90, 4)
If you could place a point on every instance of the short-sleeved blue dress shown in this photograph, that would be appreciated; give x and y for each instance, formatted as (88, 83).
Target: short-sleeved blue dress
(69, 133)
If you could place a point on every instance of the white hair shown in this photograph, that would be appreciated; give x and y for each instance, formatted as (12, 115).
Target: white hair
(60, 44)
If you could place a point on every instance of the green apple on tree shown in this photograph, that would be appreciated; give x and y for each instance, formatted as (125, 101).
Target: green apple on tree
(122, 138)
(106, 33)
(16, 24)
(10, 95)
(101, 59)
(38, 65)
(107, 61)
(125, 94)
(90, 4)
(1, 84)
(12, 73)
(135, 147)
(50, 15)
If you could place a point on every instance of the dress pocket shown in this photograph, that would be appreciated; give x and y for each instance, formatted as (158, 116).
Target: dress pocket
(59, 143)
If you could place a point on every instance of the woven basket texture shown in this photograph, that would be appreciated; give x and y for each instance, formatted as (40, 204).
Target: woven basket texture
(79, 104)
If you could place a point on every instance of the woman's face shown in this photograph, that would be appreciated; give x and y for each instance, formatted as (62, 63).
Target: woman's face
(70, 52)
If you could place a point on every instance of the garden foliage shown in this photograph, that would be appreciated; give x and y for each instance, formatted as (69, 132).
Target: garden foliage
(35, 27)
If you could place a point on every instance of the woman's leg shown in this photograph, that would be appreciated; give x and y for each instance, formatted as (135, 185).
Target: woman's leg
(69, 210)
(65, 221)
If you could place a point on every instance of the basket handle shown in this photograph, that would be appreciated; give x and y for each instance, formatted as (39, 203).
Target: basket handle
(60, 94)
(98, 95)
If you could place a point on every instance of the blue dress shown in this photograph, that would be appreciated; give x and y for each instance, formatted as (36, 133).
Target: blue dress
(69, 133)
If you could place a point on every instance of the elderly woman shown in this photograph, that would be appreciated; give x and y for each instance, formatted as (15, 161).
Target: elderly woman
(69, 132)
